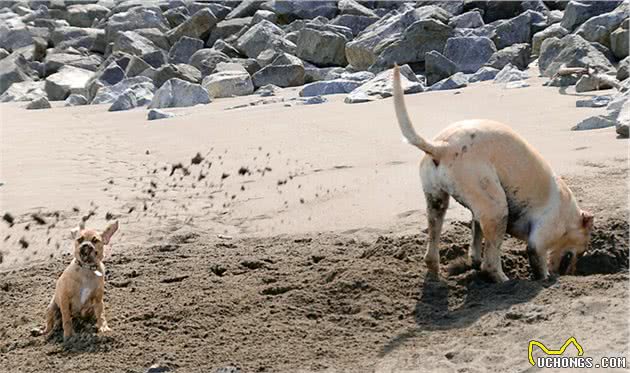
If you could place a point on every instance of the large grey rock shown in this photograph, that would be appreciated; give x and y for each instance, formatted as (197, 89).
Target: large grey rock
(438, 67)
(515, 54)
(329, 87)
(126, 101)
(141, 17)
(266, 15)
(587, 83)
(67, 80)
(555, 30)
(623, 70)
(599, 28)
(155, 114)
(456, 81)
(285, 71)
(288, 11)
(228, 83)
(352, 7)
(356, 24)
(510, 73)
(421, 37)
(179, 93)
(84, 15)
(225, 48)
(109, 94)
(470, 19)
(4, 53)
(578, 12)
(24, 91)
(245, 8)
(595, 122)
(570, 51)
(227, 28)
(469, 53)
(363, 51)
(483, 74)
(183, 49)
(205, 60)
(136, 66)
(14, 38)
(157, 37)
(322, 47)
(176, 16)
(381, 86)
(69, 36)
(596, 101)
(75, 100)
(619, 42)
(132, 43)
(39, 103)
(262, 36)
(197, 26)
(14, 68)
(180, 71)
(515, 30)
(55, 60)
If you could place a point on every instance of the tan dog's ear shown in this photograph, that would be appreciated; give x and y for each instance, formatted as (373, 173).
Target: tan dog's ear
(109, 232)
(587, 220)
(74, 232)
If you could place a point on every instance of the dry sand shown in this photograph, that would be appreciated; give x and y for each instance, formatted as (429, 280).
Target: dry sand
(324, 269)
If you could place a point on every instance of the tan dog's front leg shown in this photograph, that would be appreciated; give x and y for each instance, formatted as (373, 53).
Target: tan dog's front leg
(493, 231)
(101, 323)
(66, 319)
(537, 262)
(474, 251)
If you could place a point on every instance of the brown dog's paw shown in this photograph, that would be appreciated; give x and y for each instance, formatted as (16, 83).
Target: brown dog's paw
(104, 329)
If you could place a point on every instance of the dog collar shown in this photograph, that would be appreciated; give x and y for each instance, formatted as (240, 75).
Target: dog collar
(91, 267)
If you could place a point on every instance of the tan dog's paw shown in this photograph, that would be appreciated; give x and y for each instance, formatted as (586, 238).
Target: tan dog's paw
(104, 329)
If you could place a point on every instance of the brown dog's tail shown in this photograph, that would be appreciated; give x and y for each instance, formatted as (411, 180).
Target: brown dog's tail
(433, 149)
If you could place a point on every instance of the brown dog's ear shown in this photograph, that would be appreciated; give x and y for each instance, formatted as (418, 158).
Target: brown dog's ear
(587, 220)
(74, 232)
(109, 232)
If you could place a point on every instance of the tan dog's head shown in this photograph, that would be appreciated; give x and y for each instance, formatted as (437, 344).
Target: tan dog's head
(565, 252)
(89, 244)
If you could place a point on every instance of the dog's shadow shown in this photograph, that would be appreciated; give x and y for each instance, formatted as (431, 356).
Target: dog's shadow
(85, 338)
(432, 311)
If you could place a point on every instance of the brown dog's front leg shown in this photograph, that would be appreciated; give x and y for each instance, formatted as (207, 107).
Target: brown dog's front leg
(101, 323)
(66, 320)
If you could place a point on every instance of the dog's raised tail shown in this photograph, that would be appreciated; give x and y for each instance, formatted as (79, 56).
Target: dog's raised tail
(405, 124)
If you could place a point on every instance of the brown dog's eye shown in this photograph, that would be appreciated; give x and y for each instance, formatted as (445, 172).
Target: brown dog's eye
(80, 239)
(94, 240)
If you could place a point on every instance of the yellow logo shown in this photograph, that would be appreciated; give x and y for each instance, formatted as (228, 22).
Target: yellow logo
(553, 352)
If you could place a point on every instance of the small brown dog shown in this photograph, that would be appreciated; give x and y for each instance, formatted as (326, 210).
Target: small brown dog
(80, 287)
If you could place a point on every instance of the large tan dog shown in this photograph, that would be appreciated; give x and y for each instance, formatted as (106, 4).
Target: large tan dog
(508, 187)
(79, 290)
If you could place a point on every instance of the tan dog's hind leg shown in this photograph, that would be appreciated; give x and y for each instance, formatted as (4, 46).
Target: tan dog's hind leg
(474, 251)
(101, 323)
(51, 317)
(493, 227)
(437, 203)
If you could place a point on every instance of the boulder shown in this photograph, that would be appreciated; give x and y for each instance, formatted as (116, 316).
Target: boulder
(285, 71)
(75, 100)
(516, 84)
(515, 30)
(288, 11)
(438, 67)
(140, 17)
(24, 91)
(55, 60)
(469, 53)
(249, 64)
(14, 38)
(132, 43)
(619, 42)
(179, 93)
(266, 15)
(176, 16)
(14, 68)
(495, 10)
(156, 36)
(470, 19)
(183, 49)
(75, 37)
(570, 51)
(356, 24)
(515, 54)
(599, 28)
(483, 74)
(595, 122)
(329, 87)
(262, 36)
(228, 83)
(587, 83)
(3, 53)
(623, 70)
(225, 48)
(352, 7)
(197, 26)
(39, 103)
(84, 15)
(227, 28)
(180, 71)
(421, 37)
(363, 51)
(381, 86)
(267, 90)
(155, 114)
(109, 94)
(510, 73)
(245, 8)
(577, 12)
(67, 80)
(322, 47)
(596, 101)
(205, 60)
(455, 81)
(136, 66)
(552, 31)
(126, 101)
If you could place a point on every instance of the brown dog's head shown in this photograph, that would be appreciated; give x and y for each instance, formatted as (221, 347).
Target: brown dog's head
(89, 244)
(566, 251)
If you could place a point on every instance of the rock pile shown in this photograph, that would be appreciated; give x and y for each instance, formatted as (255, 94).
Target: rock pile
(94, 51)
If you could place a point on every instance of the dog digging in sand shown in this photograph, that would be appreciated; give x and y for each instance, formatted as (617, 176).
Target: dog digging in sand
(508, 187)
(79, 290)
